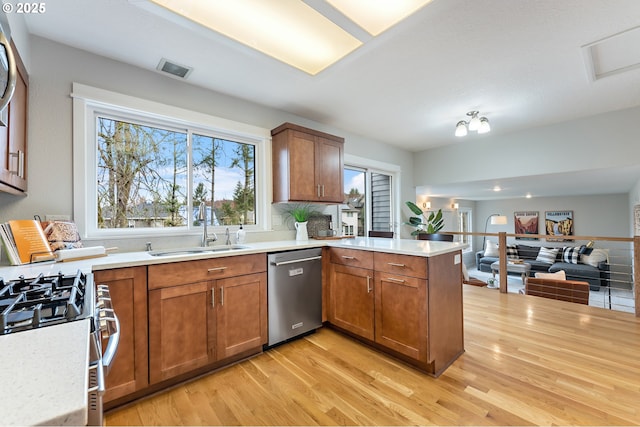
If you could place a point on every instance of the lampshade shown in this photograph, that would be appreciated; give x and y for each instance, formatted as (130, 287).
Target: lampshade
(499, 220)
(484, 126)
(474, 123)
(461, 128)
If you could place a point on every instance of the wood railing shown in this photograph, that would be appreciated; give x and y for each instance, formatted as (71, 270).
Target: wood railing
(502, 247)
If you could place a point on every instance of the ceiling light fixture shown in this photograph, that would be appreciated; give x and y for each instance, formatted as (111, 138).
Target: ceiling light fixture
(309, 35)
(290, 31)
(376, 16)
(476, 123)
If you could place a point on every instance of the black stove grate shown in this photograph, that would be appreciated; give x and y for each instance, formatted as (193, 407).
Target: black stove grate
(41, 301)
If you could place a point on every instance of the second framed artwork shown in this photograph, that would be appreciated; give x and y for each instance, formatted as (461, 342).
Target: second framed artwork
(558, 223)
(525, 222)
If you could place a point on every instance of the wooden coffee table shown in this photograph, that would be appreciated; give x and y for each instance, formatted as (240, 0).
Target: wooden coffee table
(523, 268)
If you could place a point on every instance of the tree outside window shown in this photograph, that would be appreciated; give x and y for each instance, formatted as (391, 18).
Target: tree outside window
(143, 177)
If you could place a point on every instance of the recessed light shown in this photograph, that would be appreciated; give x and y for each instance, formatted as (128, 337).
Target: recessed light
(497, 188)
(528, 195)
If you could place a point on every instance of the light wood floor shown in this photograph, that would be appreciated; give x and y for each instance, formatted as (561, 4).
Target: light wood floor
(528, 361)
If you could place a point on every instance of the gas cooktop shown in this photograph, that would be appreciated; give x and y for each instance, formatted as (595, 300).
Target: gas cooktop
(28, 303)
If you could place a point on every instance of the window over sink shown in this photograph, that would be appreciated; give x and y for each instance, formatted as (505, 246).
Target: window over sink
(153, 165)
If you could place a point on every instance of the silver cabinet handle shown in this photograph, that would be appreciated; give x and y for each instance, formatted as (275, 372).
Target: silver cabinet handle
(213, 297)
(221, 296)
(318, 190)
(322, 190)
(216, 269)
(393, 264)
(348, 257)
(391, 279)
(313, 258)
(19, 155)
(369, 284)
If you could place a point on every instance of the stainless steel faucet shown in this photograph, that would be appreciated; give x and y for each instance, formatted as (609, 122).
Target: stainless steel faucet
(202, 216)
(228, 241)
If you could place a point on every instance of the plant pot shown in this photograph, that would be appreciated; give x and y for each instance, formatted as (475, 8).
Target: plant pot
(301, 231)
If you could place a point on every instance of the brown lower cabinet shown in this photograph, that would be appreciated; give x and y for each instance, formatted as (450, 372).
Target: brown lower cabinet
(129, 370)
(408, 305)
(192, 325)
(182, 318)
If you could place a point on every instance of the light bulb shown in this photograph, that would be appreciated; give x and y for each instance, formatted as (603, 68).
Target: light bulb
(474, 123)
(461, 128)
(484, 126)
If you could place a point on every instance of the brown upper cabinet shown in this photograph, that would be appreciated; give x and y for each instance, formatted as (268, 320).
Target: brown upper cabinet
(13, 136)
(307, 165)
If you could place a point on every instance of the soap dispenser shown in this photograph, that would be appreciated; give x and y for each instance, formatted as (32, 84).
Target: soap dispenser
(240, 235)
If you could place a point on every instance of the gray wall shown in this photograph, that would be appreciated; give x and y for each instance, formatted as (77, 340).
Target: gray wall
(597, 215)
(54, 67)
(602, 141)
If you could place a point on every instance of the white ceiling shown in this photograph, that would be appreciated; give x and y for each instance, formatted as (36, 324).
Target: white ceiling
(520, 62)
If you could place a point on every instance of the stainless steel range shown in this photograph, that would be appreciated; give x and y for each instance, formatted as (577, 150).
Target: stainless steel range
(28, 303)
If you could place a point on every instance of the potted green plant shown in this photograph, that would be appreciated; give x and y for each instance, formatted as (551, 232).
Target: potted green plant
(432, 224)
(300, 213)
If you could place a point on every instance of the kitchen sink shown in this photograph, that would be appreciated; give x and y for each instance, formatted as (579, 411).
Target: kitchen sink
(197, 250)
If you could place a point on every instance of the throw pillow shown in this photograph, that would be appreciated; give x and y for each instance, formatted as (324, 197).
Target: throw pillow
(558, 275)
(547, 255)
(512, 252)
(571, 254)
(492, 249)
(596, 257)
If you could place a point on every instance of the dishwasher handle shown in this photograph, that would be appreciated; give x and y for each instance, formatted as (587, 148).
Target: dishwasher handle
(293, 261)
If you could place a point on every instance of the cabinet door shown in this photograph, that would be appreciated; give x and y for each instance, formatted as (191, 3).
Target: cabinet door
(401, 314)
(129, 369)
(329, 173)
(351, 296)
(302, 166)
(241, 314)
(179, 329)
(13, 136)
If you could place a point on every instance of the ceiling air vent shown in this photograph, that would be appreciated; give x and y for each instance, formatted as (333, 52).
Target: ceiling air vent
(174, 69)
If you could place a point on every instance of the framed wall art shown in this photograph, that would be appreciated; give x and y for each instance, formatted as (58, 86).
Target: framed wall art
(525, 223)
(558, 223)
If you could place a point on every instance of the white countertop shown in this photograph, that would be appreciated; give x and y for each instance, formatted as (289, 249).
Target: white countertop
(43, 375)
(45, 370)
(424, 248)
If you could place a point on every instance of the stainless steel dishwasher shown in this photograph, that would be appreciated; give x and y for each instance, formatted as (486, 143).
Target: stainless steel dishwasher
(294, 293)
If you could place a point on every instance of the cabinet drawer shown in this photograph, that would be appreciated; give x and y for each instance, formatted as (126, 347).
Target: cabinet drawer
(405, 265)
(180, 273)
(352, 257)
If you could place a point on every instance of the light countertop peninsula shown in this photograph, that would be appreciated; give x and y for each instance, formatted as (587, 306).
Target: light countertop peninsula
(46, 369)
(424, 248)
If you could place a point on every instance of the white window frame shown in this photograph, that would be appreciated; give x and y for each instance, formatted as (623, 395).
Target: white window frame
(374, 166)
(469, 238)
(89, 101)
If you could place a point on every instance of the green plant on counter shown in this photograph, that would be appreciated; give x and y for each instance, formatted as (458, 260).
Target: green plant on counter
(434, 222)
(300, 212)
